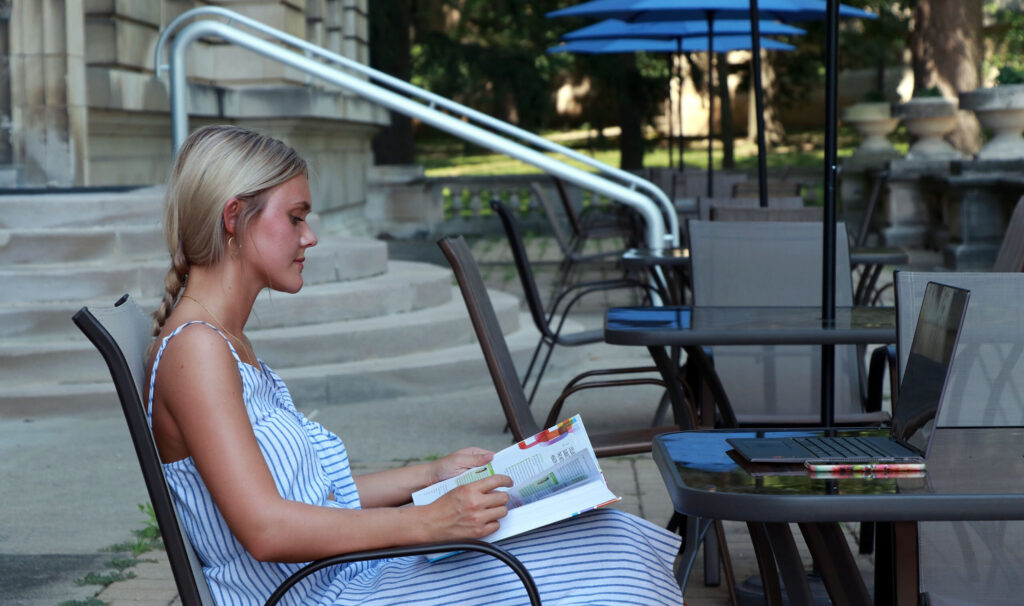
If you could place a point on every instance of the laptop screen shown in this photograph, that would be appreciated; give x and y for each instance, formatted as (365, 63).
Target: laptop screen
(931, 353)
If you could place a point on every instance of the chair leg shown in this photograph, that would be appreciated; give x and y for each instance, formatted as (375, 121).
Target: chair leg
(730, 575)
(866, 540)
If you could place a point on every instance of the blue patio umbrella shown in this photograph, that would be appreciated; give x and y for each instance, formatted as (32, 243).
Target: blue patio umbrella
(720, 44)
(670, 30)
(755, 10)
(687, 30)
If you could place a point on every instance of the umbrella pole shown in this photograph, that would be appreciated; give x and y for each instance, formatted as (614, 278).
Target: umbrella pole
(671, 114)
(679, 108)
(711, 103)
(828, 294)
(755, 49)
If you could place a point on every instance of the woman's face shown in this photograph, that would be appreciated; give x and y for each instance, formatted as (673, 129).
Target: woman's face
(277, 239)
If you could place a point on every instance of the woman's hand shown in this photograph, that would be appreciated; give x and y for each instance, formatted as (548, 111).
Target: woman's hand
(459, 461)
(469, 511)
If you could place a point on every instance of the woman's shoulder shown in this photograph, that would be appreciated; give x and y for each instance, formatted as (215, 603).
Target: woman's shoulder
(194, 345)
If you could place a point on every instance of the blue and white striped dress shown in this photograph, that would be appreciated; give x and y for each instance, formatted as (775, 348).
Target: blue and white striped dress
(603, 557)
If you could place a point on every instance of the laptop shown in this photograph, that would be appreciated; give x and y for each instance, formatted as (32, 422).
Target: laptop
(924, 381)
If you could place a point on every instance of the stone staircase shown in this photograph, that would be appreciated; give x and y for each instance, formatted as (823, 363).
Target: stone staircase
(363, 327)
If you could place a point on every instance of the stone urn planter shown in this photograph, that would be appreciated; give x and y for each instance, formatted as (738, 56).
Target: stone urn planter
(1001, 110)
(929, 119)
(874, 122)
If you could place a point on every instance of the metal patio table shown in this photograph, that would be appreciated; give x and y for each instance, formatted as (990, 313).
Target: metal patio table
(693, 327)
(706, 481)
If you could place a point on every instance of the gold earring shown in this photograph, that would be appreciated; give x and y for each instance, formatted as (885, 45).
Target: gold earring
(231, 250)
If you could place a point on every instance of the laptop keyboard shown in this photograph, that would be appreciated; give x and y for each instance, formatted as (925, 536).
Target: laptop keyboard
(841, 447)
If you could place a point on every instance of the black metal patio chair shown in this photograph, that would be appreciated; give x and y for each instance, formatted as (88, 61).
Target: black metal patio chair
(122, 334)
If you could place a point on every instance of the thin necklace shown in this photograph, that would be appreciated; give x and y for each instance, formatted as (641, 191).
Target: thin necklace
(245, 346)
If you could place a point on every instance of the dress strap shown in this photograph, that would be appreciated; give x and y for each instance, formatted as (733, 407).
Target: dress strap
(160, 353)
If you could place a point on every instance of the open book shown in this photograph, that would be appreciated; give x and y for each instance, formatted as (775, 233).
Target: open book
(555, 476)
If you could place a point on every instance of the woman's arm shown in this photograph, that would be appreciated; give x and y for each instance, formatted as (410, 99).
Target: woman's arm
(204, 400)
(395, 486)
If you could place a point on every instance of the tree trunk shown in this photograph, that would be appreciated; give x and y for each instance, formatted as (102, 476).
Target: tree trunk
(631, 140)
(390, 45)
(725, 117)
(947, 49)
(774, 132)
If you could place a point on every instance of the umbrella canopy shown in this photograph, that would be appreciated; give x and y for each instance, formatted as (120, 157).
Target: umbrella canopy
(680, 10)
(732, 34)
(616, 28)
(721, 44)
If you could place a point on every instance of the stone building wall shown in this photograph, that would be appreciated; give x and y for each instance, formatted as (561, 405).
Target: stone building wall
(87, 110)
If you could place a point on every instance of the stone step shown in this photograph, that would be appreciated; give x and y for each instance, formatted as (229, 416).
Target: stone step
(81, 244)
(442, 370)
(405, 287)
(37, 210)
(386, 336)
(339, 259)
(74, 360)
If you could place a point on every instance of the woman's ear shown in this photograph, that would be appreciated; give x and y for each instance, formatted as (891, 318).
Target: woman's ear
(232, 209)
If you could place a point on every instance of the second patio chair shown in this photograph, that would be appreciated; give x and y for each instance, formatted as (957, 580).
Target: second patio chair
(550, 321)
(974, 562)
(778, 264)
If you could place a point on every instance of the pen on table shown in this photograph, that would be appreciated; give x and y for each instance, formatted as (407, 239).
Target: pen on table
(889, 467)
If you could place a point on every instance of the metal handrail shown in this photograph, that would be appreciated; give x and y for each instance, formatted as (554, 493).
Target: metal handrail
(434, 101)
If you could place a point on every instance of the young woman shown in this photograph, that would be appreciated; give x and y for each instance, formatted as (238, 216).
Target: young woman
(261, 489)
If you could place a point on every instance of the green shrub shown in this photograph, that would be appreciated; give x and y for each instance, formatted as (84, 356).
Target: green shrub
(1010, 75)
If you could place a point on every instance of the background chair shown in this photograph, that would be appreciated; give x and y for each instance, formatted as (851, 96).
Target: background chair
(807, 214)
(1010, 257)
(778, 264)
(516, 407)
(511, 394)
(595, 222)
(974, 562)
(122, 335)
(572, 245)
(705, 204)
(550, 321)
(775, 187)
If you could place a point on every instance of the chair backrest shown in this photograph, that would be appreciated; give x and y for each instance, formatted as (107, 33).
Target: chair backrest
(986, 381)
(1011, 251)
(774, 187)
(531, 293)
(122, 334)
(807, 214)
(774, 264)
(704, 204)
(974, 562)
(694, 183)
(491, 339)
(570, 212)
(561, 237)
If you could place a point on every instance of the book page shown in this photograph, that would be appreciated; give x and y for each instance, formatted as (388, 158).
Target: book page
(549, 462)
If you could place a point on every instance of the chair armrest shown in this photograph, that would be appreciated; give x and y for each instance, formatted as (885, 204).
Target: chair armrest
(395, 552)
(882, 359)
(556, 408)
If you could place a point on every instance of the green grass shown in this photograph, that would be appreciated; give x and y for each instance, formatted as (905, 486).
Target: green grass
(804, 149)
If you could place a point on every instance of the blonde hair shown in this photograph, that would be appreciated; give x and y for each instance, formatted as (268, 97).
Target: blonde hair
(214, 165)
